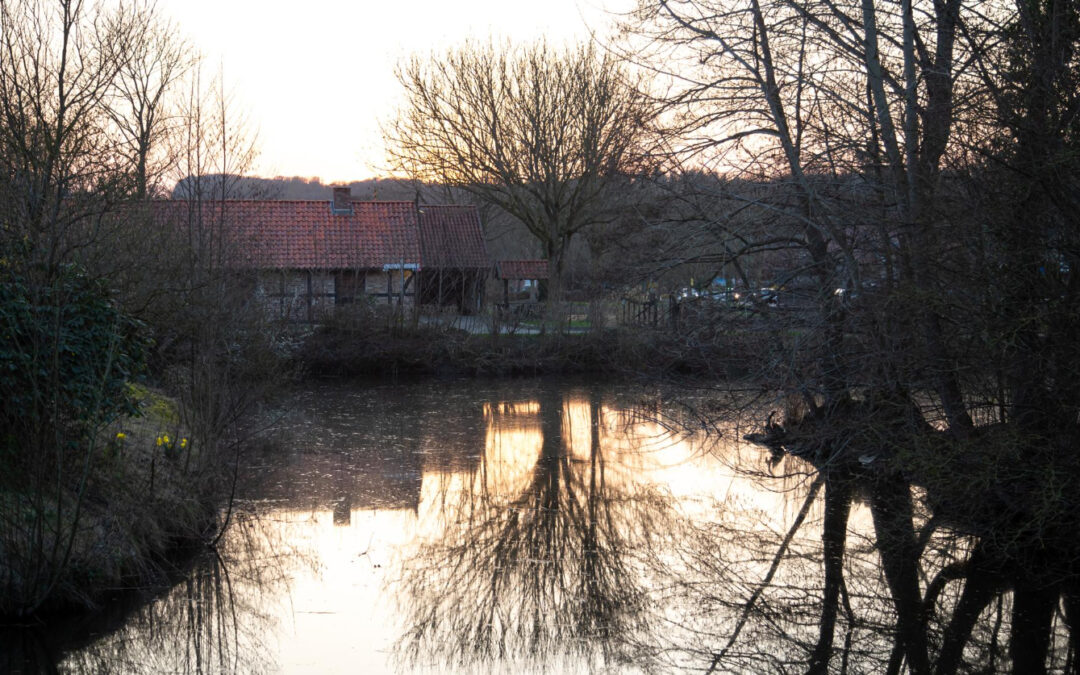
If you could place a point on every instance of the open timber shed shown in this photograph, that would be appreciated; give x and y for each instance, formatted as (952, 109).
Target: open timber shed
(523, 280)
(455, 261)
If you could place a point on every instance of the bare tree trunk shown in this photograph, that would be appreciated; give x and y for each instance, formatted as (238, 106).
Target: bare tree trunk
(891, 507)
(1034, 604)
(981, 586)
(838, 492)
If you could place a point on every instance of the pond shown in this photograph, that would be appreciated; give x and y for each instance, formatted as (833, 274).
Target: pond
(508, 526)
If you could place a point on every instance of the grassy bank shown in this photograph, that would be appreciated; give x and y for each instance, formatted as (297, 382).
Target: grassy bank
(113, 517)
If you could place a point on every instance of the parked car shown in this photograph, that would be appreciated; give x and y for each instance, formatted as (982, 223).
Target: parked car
(721, 296)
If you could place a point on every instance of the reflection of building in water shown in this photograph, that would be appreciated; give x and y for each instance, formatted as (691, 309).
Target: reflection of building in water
(520, 433)
(510, 410)
(450, 444)
(344, 453)
(343, 511)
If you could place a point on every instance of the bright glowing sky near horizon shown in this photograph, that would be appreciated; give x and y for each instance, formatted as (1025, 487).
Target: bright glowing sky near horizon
(314, 79)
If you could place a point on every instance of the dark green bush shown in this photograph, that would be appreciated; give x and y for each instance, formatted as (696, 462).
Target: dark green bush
(67, 353)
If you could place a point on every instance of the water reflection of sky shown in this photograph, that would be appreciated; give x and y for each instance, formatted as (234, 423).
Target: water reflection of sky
(422, 527)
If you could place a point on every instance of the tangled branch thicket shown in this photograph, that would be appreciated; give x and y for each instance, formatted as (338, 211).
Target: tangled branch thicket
(918, 161)
(101, 106)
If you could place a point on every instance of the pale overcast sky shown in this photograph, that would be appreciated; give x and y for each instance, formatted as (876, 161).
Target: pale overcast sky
(315, 77)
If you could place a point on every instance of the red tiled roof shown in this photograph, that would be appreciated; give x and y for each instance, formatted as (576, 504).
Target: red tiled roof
(307, 235)
(451, 237)
(522, 269)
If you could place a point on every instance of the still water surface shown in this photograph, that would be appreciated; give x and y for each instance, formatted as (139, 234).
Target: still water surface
(517, 526)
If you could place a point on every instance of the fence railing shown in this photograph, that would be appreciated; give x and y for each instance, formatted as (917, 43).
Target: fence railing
(649, 313)
(524, 317)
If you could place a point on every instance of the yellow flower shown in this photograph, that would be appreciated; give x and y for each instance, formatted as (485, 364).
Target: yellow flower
(166, 437)
(183, 442)
(120, 435)
(159, 440)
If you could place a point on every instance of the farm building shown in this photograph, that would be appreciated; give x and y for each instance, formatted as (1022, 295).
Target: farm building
(306, 258)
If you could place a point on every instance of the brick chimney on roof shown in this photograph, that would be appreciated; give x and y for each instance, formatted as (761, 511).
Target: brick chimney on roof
(342, 202)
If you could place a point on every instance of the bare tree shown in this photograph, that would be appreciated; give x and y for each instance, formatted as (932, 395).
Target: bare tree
(142, 103)
(58, 63)
(539, 132)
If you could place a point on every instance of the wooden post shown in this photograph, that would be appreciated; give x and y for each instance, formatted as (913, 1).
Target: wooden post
(282, 305)
(310, 313)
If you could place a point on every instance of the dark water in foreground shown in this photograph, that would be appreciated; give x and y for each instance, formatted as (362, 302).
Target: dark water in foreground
(522, 526)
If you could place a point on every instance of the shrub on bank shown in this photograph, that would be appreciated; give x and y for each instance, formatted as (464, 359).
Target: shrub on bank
(89, 501)
(66, 355)
(332, 351)
(115, 528)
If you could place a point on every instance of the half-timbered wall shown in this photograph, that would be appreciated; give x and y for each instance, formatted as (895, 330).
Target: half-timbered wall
(297, 296)
(302, 296)
(385, 287)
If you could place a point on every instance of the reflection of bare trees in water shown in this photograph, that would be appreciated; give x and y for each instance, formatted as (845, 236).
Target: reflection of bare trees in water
(874, 573)
(740, 583)
(544, 568)
(213, 621)
(196, 627)
(832, 558)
